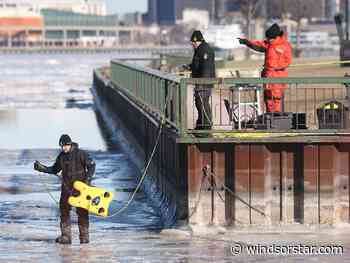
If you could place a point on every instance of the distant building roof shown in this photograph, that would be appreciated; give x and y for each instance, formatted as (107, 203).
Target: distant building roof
(21, 21)
(95, 7)
(66, 18)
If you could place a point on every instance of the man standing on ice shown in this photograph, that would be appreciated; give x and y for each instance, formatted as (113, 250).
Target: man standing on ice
(76, 165)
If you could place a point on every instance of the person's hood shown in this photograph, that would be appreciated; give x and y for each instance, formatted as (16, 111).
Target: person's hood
(75, 146)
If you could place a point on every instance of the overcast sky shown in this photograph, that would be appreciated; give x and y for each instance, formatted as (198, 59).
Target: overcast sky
(124, 6)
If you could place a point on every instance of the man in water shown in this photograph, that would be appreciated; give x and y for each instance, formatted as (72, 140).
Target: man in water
(278, 56)
(76, 165)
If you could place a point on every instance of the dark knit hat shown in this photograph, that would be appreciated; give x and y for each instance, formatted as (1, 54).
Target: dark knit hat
(273, 31)
(197, 36)
(65, 140)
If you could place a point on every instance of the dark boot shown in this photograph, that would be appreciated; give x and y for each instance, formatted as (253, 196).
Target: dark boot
(84, 234)
(66, 237)
(64, 240)
(83, 223)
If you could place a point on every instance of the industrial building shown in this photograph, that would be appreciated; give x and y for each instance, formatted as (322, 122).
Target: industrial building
(52, 28)
(92, 7)
(168, 12)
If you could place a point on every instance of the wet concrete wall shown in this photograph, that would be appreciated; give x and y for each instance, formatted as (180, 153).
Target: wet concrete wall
(167, 182)
(272, 183)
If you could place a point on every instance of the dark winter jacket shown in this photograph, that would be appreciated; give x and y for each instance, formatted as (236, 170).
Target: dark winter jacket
(203, 62)
(203, 65)
(75, 165)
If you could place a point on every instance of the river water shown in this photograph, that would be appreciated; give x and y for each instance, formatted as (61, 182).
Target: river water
(43, 96)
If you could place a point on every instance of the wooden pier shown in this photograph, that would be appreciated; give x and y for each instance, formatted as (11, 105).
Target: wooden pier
(230, 176)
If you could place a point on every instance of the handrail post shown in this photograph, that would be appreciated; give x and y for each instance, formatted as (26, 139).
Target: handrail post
(161, 96)
(183, 107)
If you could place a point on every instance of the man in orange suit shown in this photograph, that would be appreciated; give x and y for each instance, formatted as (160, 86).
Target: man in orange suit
(278, 56)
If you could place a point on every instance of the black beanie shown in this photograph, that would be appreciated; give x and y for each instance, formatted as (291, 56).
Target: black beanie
(64, 140)
(197, 36)
(273, 31)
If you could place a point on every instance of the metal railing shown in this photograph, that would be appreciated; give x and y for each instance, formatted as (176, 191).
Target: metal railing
(151, 89)
(320, 103)
(238, 104)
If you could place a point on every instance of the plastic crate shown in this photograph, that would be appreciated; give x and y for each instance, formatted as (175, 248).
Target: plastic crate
(299, 121)
(333, 115)
(275, 121)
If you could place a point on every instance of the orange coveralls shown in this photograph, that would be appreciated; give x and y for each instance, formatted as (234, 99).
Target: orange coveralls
(278, 56)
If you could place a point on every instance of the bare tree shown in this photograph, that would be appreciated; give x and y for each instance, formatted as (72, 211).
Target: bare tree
(249, 12)
(298, 9)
